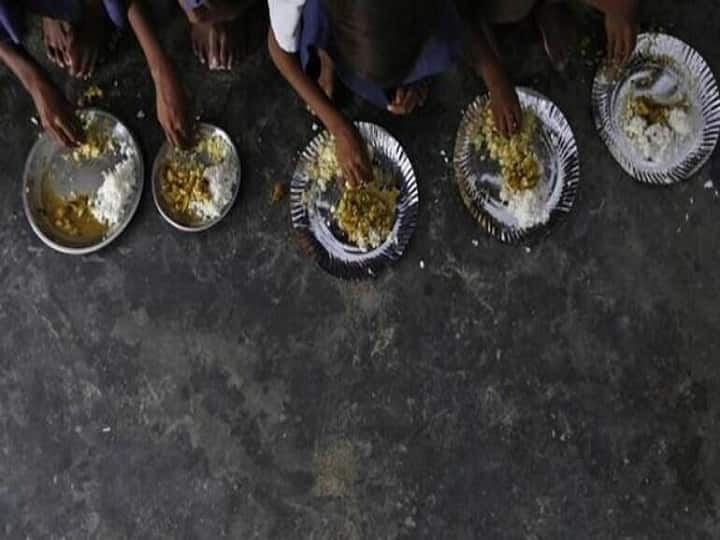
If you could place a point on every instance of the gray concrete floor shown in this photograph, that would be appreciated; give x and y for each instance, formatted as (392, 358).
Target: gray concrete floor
(221, 385)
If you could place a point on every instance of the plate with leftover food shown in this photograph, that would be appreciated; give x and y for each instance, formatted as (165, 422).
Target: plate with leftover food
(78, 200)
(195, 188)
(354, 232)
(660, 114)
(517, 186)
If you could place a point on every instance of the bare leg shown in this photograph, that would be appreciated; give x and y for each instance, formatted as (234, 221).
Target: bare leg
(326, 79)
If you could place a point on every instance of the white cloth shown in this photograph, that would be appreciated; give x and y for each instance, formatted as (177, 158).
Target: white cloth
(285, 22)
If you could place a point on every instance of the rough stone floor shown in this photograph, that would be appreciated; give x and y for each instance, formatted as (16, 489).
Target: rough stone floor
(221, 385)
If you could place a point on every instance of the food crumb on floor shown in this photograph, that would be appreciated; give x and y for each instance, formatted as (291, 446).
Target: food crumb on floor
(92, 94)
(278, 192)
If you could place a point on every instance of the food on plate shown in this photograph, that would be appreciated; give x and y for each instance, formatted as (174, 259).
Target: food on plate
(71, 217)
(366, 214)
(109, 202)
(83, 213)
(653, 128)
(88, 216)
(522, 191)
(183, 182)
(519, 164)
(217, 192)
(97, 141)
(90, 95)
(325, 166)
(196, 185)
(214, 147)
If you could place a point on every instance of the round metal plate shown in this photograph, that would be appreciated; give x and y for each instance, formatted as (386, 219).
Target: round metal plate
(311, 209)
(50, 166)
(675, 61)
(204, 131)
(480, 182)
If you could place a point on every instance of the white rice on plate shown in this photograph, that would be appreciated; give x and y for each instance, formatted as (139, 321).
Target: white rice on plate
(220, 183)
(108, 203)
(528, 206)
(656, 142)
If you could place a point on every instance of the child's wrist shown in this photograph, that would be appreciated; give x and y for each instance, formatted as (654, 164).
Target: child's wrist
(163, 75)
(338, 125)
(161, 69)
(33, 80)
(492, 72)
(495, 80)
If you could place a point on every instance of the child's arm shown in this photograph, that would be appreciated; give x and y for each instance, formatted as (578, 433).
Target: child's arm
(56, 114)
(171, 107)
(351, 151)
(503, 98)
(619, 26)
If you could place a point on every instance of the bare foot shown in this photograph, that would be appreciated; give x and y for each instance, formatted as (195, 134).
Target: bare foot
(76, 48)
(215, 44)
(223, 44)
(558, 31)
(56, 36)
(409, 98)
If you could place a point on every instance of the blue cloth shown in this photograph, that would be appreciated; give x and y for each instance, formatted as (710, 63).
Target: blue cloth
(117, 11)
(194, 4)
(12, 14)
(10, 22)
(440, 52)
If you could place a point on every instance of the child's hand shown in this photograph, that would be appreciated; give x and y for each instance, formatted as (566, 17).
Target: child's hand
(506, 110)
(353, 156)
(621, 37)
(409, 98)
(172, 111)
(56, 114)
